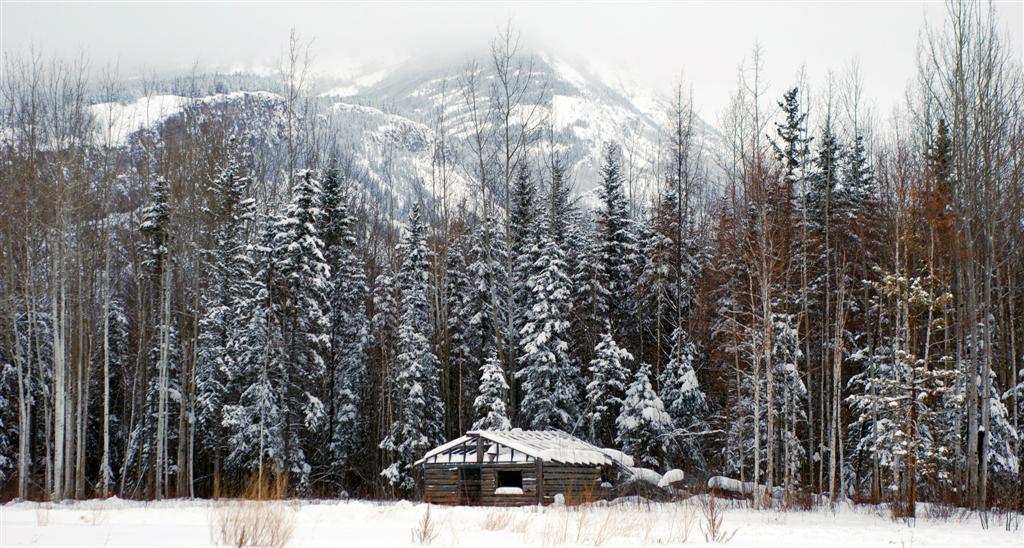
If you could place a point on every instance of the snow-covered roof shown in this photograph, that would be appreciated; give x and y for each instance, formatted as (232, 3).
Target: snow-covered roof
(519, 445)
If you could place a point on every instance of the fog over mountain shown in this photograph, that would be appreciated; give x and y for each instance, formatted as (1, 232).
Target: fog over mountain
(650, 43)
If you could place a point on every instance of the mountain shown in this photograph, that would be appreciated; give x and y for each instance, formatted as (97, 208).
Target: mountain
(585, 111)
(385, 123)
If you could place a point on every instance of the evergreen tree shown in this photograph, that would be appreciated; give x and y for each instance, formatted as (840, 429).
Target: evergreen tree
(255, 408)
(490, 407)
(559, 208)
(486, 303)
(1002, 437)
(791, 396)
(792, 148)
(590, 294)
(824, 180)
(616, 249)
(684, 400)
(302, 294)
(349, 327)
(8, 418)
(547, 371)
(462, 362)
(419, 422)
(229, 269)
(385, 331)
(643, 425)
(609, 375)
(522, 237)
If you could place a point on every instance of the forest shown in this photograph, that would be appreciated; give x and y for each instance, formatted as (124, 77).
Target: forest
(831, 303)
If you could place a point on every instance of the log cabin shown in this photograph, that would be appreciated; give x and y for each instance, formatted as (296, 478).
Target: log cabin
(517, 468)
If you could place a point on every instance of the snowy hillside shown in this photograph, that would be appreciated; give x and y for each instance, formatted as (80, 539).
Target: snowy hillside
(385, 121)
(585, 110)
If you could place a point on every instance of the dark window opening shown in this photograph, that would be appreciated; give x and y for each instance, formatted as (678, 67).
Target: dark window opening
(606, 474)
(510, 479)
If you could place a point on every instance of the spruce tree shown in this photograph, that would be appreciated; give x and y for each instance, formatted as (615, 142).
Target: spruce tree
(616, 249)
(684, 400)
(643, 425)
(302, 294)
(229, 269)
(490, 406)
(609, 375)
(419, 421)
(462, 339)
(255, 409)
(792, 147)
(8, 417)
(349, 326)
(547, 370)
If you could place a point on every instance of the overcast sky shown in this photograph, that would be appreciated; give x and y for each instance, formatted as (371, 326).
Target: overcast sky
(650, 44)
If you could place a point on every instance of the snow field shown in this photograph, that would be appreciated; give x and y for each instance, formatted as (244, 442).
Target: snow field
(351, 523)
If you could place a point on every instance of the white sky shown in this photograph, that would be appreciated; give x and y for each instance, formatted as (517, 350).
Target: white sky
(650, 43)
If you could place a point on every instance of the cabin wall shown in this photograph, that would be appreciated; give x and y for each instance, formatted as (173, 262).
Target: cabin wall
(577, 483)
(442, 484)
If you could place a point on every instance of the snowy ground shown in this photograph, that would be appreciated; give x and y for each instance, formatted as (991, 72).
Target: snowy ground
(335, 523)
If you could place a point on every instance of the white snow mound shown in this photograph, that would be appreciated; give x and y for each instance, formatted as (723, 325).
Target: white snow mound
(671, 477)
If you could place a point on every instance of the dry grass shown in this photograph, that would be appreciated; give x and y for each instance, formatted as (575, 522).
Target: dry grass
(259, 517)
(497, 520)
(42, 515)
(426, 530)
(556, 529)
(714, 531)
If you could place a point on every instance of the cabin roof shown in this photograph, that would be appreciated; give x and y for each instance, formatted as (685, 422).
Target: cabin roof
(518, 446)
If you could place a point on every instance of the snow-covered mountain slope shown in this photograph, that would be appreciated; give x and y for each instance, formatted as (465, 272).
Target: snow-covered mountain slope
(391, 154)
(583, 110)
(385, 122)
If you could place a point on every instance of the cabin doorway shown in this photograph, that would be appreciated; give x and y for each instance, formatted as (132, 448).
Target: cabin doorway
(469, 485)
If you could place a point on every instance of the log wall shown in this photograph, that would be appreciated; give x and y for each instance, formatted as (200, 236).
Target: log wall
(578, 483)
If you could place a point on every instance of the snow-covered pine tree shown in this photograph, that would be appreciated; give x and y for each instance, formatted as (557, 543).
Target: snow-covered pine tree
(302, 294)
(1002, 438)
(157, 265)
(419, 421)
(117, 340)
(684, 400)
(491, 405)
(462, 362)
(590, 295)
(522, 237)
(229, 268)
(616, 249)
(609, 375)
(823, 181)
(349, 326)
(793, 146)
(643, 425)
(162, 395)
(547, 371)
(9, 429)
(898, 398)
(385, 331)
(791, 401)
(254, 407)
(485, 304)
(559, 207)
